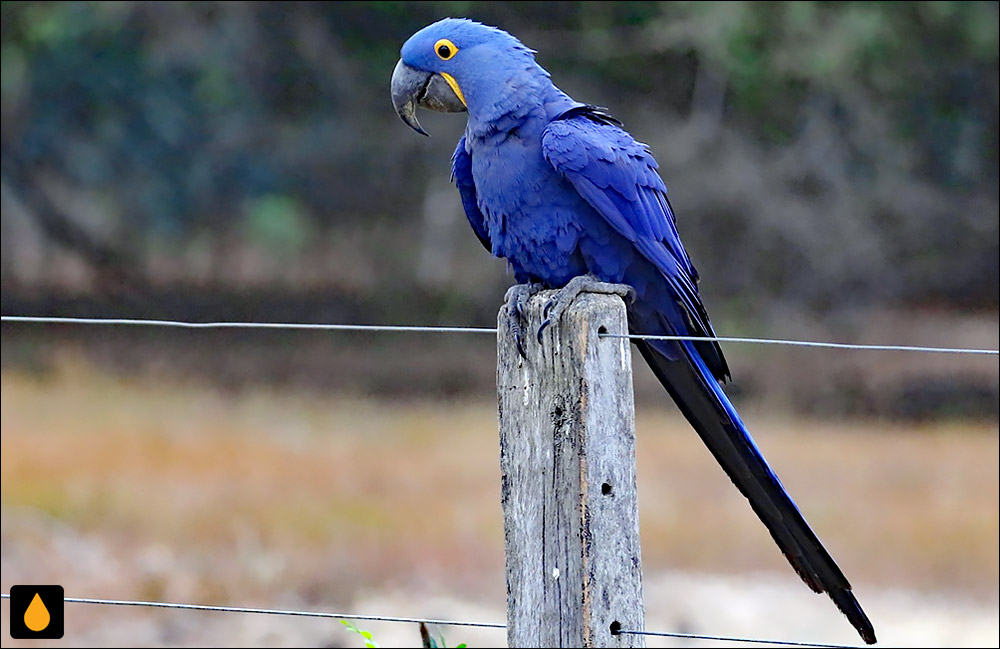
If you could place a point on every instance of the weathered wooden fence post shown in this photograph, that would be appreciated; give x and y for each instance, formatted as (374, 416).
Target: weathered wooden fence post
(567, 459)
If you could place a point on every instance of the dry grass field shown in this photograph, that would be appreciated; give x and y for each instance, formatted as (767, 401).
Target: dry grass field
(181, 492)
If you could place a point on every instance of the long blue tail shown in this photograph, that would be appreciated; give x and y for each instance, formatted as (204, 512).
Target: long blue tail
(701, 398)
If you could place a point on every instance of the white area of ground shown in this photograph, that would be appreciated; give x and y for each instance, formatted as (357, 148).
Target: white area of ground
(757, 606)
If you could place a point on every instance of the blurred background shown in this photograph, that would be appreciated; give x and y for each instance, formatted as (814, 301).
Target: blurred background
(834, 169)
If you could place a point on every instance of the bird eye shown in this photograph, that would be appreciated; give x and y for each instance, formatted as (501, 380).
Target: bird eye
(445, 49)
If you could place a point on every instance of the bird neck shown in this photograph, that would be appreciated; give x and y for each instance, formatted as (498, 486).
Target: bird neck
(523, 97)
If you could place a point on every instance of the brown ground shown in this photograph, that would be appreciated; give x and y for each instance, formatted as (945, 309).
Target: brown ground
(177, 492)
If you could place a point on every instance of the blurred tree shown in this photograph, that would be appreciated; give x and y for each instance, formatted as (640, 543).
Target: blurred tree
(853, 145)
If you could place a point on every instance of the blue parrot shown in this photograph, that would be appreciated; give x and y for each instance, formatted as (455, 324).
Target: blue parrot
(572, 202)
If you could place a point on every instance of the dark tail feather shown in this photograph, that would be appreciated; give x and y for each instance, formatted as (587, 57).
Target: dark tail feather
(700, 397)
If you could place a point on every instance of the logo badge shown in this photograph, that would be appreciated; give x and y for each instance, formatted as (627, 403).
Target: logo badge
(36, 612)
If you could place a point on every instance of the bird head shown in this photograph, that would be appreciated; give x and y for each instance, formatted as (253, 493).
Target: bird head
(455, 65)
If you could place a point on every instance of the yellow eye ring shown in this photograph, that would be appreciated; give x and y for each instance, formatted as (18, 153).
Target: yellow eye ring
(445, 49)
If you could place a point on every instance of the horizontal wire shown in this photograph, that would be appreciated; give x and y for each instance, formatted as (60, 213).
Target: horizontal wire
(477, 330)
(409, 620)
(249, 325)
(448, 329)
(695, 636)
(270, 611)
(808, 343)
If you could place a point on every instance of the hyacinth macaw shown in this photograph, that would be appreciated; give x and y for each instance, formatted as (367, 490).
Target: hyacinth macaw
(572, 202)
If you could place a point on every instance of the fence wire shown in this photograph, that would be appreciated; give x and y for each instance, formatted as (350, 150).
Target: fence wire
(453, 330)
(475, 330)
(418, 620)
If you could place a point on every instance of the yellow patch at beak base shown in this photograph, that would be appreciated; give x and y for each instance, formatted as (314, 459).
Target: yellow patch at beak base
(454, 86)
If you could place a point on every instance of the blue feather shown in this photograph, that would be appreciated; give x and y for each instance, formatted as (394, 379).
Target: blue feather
(559, 189)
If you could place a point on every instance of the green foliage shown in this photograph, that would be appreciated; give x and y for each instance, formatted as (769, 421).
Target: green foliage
(272, 120)
(367, 635)
(277, 221)
(427, 639)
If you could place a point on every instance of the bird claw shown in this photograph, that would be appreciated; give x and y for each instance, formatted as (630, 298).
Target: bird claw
(516, 298)
(559, 302)
(541, 328)
(519, 341)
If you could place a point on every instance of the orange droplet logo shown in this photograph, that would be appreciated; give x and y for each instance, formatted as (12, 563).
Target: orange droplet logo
(37, 616)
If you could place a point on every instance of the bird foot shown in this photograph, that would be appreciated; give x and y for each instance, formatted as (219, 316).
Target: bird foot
(558, 303)
(516, 299)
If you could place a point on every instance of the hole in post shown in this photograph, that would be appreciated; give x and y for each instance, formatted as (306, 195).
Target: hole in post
(616, 627)
(602, 330)
(606, 488)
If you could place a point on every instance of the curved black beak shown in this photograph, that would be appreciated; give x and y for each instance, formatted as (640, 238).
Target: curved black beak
(411, 88)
